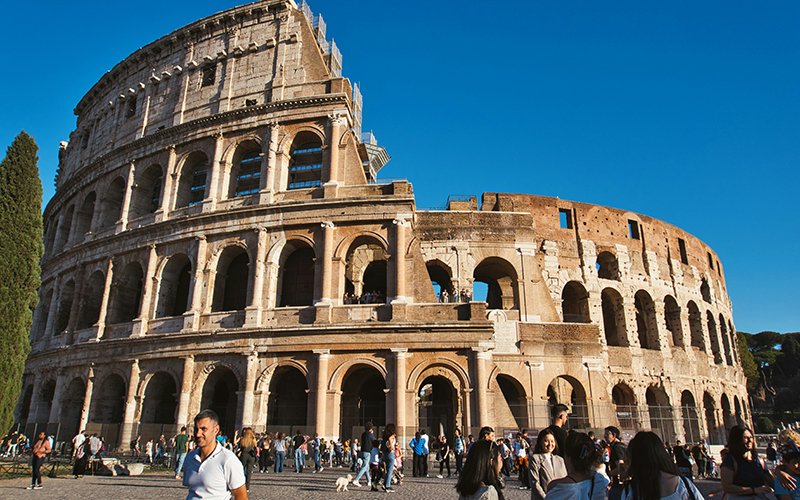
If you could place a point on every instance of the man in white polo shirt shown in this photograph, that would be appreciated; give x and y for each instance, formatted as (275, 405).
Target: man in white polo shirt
(212, 472)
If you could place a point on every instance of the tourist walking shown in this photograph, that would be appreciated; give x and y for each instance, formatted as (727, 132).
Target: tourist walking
(299, 454)
(81, 459)
(263, 453)
(367, 437)
(211, 471)
(247, 454)
(314, 443)
(581, 457)
(478, 481)
(181, 449)
(545, 465)
(444, 456)
(652, 472)
(424, 448)
(459, 450)
(279, 445)
(40, 450)
(683, 459)
(387, 448)
(560, 415)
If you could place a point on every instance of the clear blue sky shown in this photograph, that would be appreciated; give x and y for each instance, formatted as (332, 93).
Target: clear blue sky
(688, 111)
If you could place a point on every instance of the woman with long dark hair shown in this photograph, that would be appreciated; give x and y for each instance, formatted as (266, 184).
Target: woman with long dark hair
(545, 466)
(653, 474)
(743, 473)
(387, 448)
(478, 480)
(582, 481)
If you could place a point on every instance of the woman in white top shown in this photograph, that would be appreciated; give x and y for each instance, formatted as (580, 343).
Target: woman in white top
(653, 474)
(545, 466)
(478, 481)
(581, 457)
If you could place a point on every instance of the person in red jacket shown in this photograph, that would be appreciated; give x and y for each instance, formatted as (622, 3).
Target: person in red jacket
(40, 450)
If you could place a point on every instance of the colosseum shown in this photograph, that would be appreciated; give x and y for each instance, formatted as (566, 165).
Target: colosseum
(220, 239)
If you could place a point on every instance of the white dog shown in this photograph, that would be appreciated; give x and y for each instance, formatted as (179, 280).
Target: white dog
(342, 482)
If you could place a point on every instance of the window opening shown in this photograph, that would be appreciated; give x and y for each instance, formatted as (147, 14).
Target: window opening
(710, 261)
(633, 230)
(130, 111)
(305, 168)
(209, 76)
(682, 248)
(198, 186)
(249, 176)
(565, 218)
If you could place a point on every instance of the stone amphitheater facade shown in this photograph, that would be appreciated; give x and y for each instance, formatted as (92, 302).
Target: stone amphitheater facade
(217, 210)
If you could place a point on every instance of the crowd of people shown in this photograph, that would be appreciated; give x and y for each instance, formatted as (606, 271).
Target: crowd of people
(372, 297)
(556, 464)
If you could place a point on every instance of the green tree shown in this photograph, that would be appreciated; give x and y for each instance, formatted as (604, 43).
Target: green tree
(21, 248)
(764, 347)
(748, 363)
(789, 360)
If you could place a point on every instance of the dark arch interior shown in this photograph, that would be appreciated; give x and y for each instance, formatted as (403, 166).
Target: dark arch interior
(109, 401)
(288, 400)
(566, 390)
(437, 406)
(92, 300)
(501, 281)
(112, 203)
(375, 278)
(607, 266)
(219, 394)
(440, 279)
(126, 294)
(193, 181)
(305, 164)
(691, 418)
(712, 335)
(71, 405)
(146, 196)
(515, 399)
(174, 287)
(696, 326)
(613, 318)
(297, 278)
(575, 303)
(246, 171)
(672, 317)
(232, 281)
(64, 306)
(83, 221)
(660, 413)
(625, 405)
(363, 399)
(646, 321)
(160, 400)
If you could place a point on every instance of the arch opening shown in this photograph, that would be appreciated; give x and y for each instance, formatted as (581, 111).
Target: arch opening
(437, 405)
(726, 341)
(174, 288)
(220, 394)
(246, 171)
(568, 391)
(232, 280)
(441, 281)
(108, 403)
(516, 402)
(366, 272)
(696, 326)
(112, 203)
(575, 303)
(625, 406)
(64, 307)
(71, 405)
(83, 220)
(607, 266)
(613, 318)
(126, 295)
(672, 318)
(297, 276)
(646, 325)
(192, 186)
(691, 418)
(305, 163)
(714, 337)
(146, 195)
(92, 300)
(363, 399)
(660, 410)
(287, 408)
(500, 279)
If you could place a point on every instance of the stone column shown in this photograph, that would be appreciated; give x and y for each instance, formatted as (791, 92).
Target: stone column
(465, 397)
(102, 317)
(336, 123)
(400, 261)
(77, 303)
(55, 408)
(269, 163)
(126, 200)
(129, 418)
(186, 391)
(87, 399)
(254, 312)
(150, 286)
(482, 360)
(192, 316)
(399, 392)
(249, 388)
(216, 173)
(327, 263)
(53, 311)
(169, 181)
(321, 391)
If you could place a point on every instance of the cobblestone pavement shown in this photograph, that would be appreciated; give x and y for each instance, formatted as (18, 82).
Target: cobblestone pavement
(286, 485)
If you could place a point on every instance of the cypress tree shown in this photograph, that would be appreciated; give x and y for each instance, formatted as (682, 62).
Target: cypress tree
(20, 273)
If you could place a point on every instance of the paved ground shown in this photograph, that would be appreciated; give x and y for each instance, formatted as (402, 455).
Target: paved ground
(286, 485)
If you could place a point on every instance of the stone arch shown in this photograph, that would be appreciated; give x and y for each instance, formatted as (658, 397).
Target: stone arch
(44, 405)
(288, 398)
(366, 268)
(232, 281)
(607, 266)
(71, 406)
(726, 340)
(705, 291)
(192, 186)
(691, 417)
(441, 398)
(92, 300)
(575, 303)
(516, 401)
(646, 324)
(296, 274)
(25, 404)
(111, 206)
(284, 145)
(738, 411)
(441, 277)
(108, 400)
(696, 326)
(566, 389)
(174, 286)
(65, 297)
(660, 410)
(83, 219)
(712, 426)
(63, 231)
(727, 414)
(125, 298)
(147, 192)
(713, 337)
(220, 393)
(305, 160)
(500, 277)
(160, 403)
(443, 367)
(363, 398)
(625, 406)
(613, 317)
(245, 167)
(672, 319)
